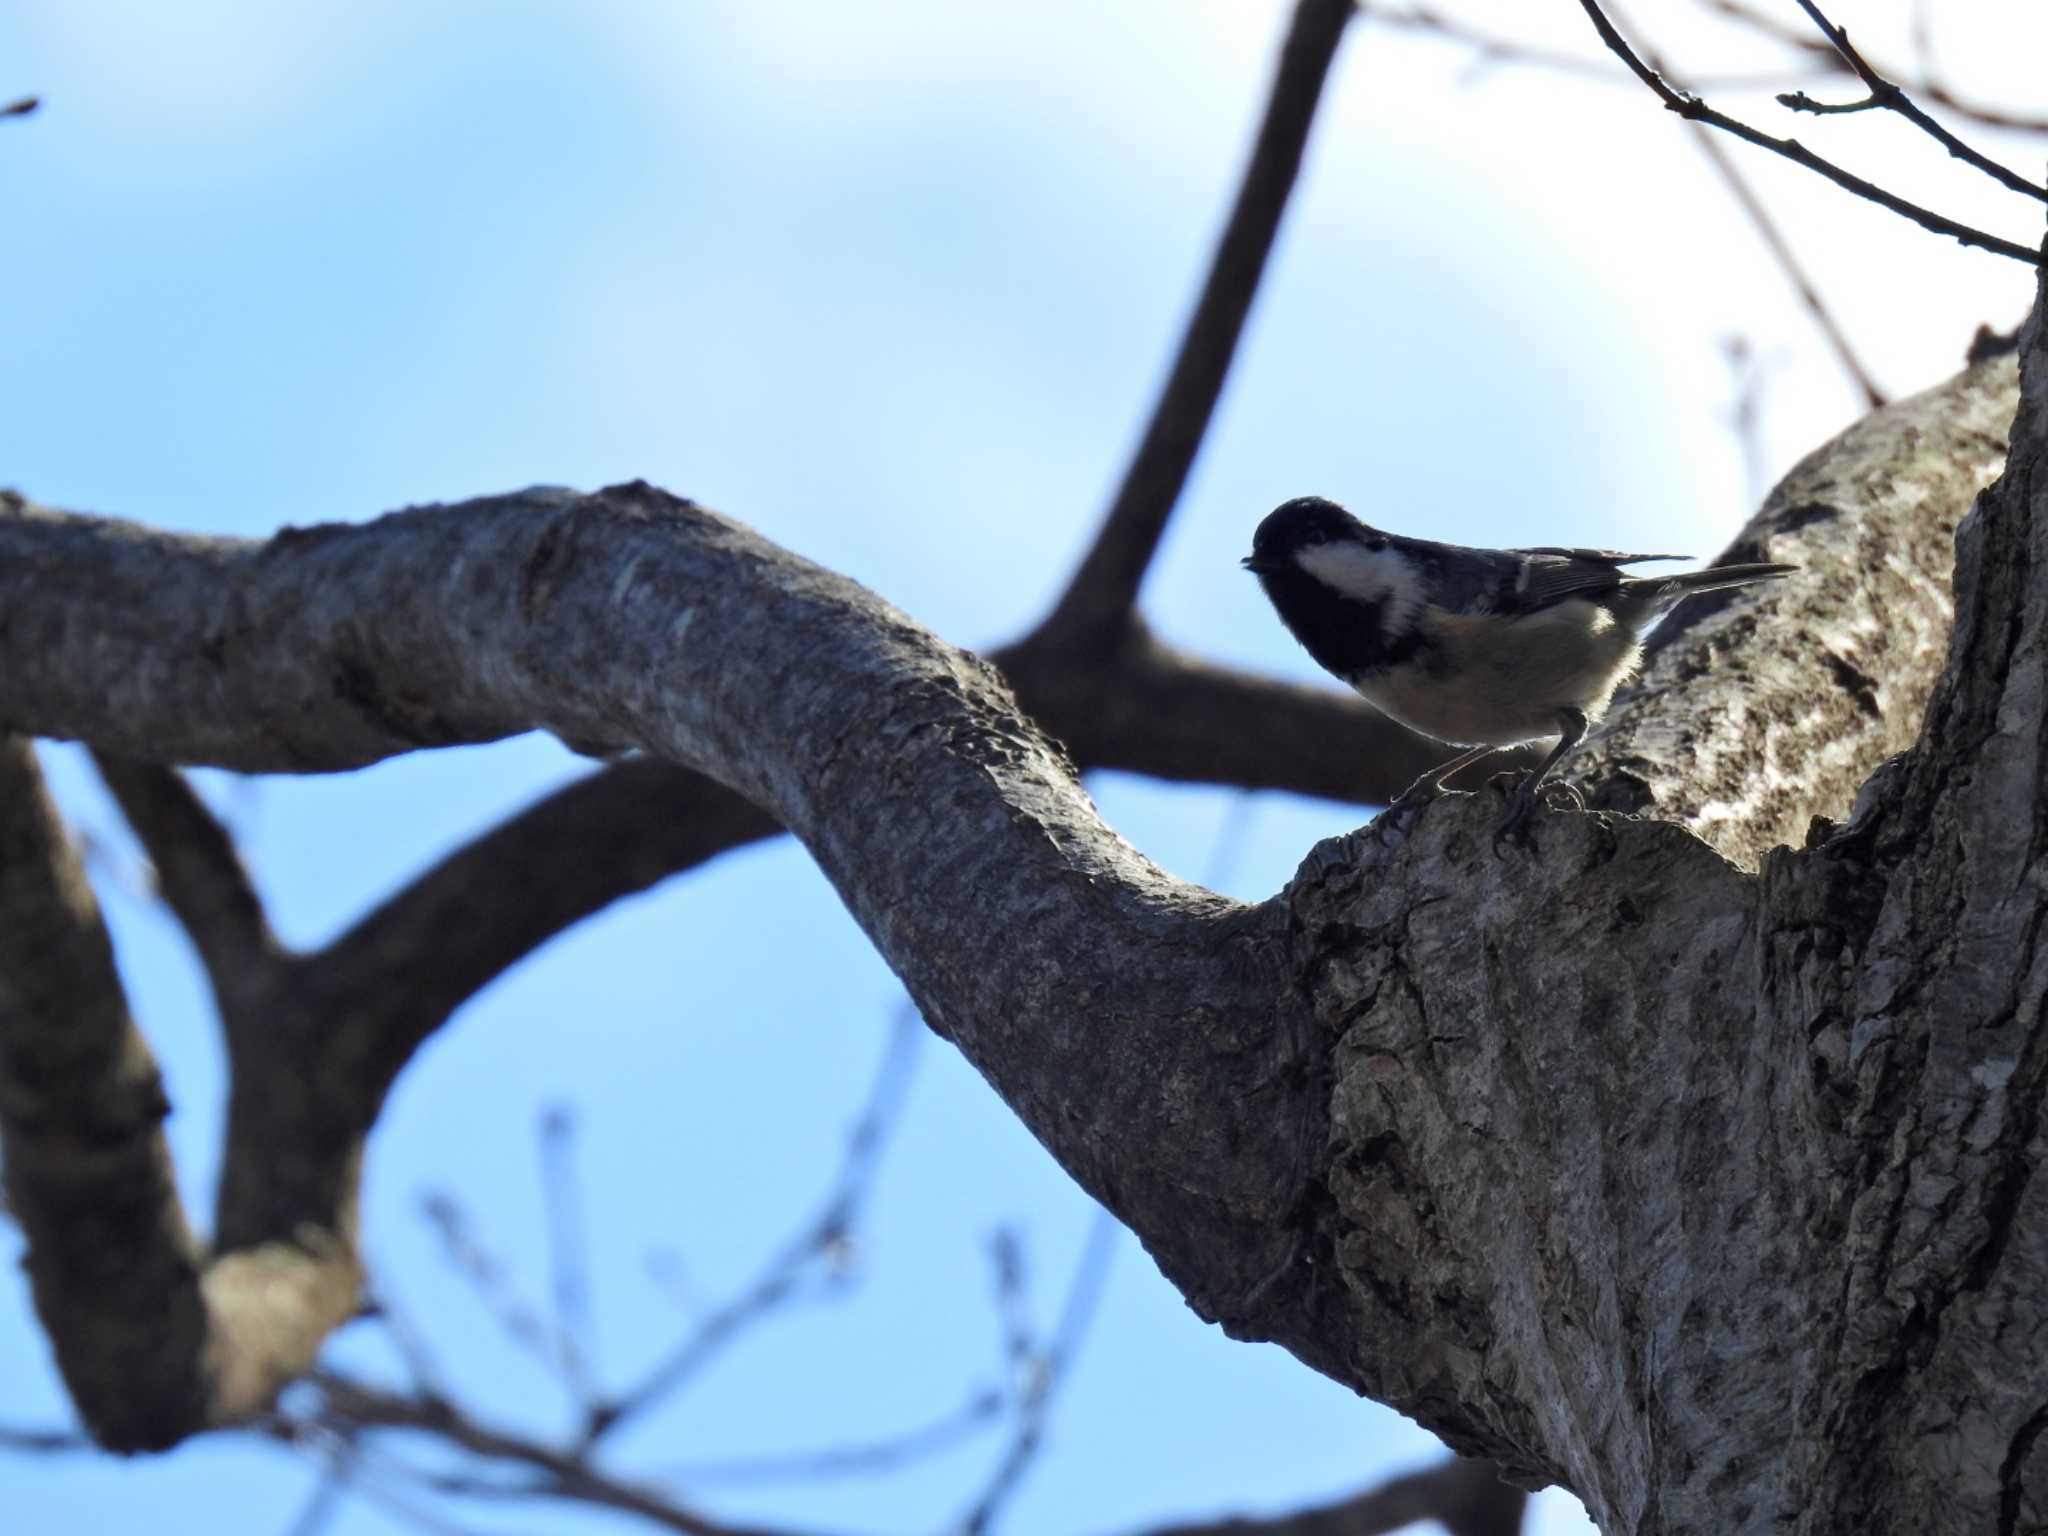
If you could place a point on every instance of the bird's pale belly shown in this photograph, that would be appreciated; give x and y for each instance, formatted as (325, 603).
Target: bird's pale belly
(1488, 683)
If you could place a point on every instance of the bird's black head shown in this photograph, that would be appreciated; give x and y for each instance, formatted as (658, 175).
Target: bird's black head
(1302, 524)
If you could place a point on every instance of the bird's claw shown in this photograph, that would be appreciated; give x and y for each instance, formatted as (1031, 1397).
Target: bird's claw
(1392, 826)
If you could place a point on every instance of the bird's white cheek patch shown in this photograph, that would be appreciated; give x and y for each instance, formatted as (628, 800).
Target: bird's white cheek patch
(1367, 575)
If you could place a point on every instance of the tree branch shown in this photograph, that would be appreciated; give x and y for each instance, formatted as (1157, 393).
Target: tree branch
(1104, 589)
(1774, 241)
(1694, 109)
(1465, 1497)
(154, 1342)
(1169, 1047)
(1890, 97)
(201, 878)
(356, 1406)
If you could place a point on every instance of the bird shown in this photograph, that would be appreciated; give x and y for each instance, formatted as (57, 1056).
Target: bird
(1478, 649)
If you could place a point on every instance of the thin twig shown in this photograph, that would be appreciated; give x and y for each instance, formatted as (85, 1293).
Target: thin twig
(1774, 239)
(329, 1490)
(1104, 588)
(420, 1366)
(825, 1237)
(1889, 96)
(21, 106)
(1927, 83)
(869, 1458)
(570, 1247)
(1492, 48)
(1693, 109)
(1745, 417)
(1044, 1375)
(481, 1268)
(564, 1475)
(43, 1442)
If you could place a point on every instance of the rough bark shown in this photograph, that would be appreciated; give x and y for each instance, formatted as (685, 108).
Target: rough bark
(1680, 1184)
(155, 1337)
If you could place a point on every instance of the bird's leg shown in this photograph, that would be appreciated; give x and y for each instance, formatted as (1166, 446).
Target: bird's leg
(1571, 728)
(1411, 800)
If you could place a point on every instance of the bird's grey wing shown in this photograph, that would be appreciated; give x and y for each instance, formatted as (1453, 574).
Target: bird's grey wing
(1550, 575)
(1596, 556)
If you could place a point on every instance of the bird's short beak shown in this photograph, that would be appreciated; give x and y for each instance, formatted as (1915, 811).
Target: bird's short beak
(1252, 563)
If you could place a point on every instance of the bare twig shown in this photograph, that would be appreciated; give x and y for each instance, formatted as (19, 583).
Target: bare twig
(1795, 273)
(1928, 83)
(1889, 96)
(1042, 1372)
(571, 1252)
(480, 1267)
(411, 1348)
(978, 1413)
(1105, 587)
(824, 1237)
(1492, 48)
(43, 1442)
(21, 107)
(1694, 109)
(563, 1475)
(1745, 417)
(329, 1489)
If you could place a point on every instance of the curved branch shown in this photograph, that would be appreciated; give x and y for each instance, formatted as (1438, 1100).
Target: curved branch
(1169, 1047)
(201, 878)
(469, 918)
(154, 1341)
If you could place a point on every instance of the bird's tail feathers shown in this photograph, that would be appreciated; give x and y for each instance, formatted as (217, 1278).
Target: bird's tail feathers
(1666, 590)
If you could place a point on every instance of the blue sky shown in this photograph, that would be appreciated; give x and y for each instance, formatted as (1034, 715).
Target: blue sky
(894, 284)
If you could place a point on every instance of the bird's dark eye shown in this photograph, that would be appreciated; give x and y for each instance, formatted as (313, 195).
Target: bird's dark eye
(1375, 545)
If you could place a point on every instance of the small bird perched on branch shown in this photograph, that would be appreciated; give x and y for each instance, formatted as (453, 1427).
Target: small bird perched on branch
(1475, 648)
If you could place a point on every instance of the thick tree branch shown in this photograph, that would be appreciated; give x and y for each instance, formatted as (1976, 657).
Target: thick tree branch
(1142, 707)
(154, 1341)
(1104, 589)
(1280, 1100)
(449, 932)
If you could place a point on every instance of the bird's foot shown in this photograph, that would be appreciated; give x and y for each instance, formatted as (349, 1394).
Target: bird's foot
(1556, 794)
(1514, 826)
(1392, 826)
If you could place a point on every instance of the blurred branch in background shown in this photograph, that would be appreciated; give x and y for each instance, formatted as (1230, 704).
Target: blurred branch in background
(1104, 589)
